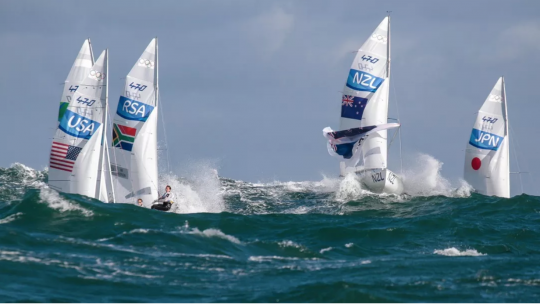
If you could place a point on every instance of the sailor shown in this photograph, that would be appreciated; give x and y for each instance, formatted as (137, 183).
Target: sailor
(165, 201)
(139, 201)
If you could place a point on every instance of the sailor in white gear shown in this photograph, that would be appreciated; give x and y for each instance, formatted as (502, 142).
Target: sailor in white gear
(165, 201)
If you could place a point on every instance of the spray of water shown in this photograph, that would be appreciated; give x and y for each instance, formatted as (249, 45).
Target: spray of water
(199, 191)
(423, 178)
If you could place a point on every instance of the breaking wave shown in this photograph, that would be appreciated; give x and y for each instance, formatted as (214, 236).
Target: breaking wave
(313, 241)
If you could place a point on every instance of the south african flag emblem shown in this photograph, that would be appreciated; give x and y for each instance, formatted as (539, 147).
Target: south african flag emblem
(123, 137)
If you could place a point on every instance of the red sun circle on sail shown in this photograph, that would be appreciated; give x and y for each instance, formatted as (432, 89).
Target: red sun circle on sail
(476, 163)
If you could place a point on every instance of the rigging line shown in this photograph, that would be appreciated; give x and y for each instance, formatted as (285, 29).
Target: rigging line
(164, 132)
(114, 181)
(516, 156)
(393, 137)
(399, 130)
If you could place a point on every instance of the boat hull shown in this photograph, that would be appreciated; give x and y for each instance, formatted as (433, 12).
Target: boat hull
(381, 181)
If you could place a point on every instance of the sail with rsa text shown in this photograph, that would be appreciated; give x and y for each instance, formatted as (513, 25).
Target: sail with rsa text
(134, 132)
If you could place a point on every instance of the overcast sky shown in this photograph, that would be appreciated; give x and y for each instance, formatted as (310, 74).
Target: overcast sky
(249, 85)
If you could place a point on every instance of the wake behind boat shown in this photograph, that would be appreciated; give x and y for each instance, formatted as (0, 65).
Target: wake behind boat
(365, 104)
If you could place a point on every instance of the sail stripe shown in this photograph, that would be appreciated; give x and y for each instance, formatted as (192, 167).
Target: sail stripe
(61, 165)
(57, 144)
(60, 168)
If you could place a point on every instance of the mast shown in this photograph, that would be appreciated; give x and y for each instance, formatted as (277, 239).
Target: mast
(388, 48)
(505, 106)
(104, 133)
(507, 127)
(106, 144)
(157, 73)
(91, 52)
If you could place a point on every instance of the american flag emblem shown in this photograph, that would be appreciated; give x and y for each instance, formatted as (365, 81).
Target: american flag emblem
(347, 100)
(63, 156)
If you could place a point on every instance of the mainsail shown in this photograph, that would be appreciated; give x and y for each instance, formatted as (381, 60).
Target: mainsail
(76, 147)
(487, 164)
(79, 71)
(134, 156)
(365, 96)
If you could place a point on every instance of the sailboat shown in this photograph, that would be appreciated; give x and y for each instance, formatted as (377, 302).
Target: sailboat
(365, 103)
(134, 135)
(487, 164)
(77, 152)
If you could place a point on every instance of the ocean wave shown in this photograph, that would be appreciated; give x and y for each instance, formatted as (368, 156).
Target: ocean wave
(11, 218)
(215, 233)
(325, 250)
(55, 201)
(456, 252)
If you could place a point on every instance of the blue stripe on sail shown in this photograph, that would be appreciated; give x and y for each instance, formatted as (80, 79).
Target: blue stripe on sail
(133, 110)
(77, 125)
(362, 81)
(485, 140)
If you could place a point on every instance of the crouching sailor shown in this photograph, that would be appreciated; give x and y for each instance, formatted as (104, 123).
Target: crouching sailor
(165, 202)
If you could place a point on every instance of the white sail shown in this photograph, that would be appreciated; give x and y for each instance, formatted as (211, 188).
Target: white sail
(487, 164)
(79, 71)
(134, 153)
(365, 96)
(76, 148)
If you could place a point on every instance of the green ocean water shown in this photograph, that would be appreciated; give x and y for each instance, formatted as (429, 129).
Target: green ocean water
(233, 241)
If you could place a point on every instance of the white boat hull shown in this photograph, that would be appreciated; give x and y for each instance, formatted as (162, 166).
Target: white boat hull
(381, 181)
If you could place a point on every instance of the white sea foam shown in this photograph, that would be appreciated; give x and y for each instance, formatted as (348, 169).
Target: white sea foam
(11, 218)
(134, 231)
(215, 233)
(349, 245)
(325, 250)
(530, 282)
(269, 258)
(350, 188)
(55, 201)
(422, 177)
(292, 244)
(20, 177)
(201, 192)
(456, 252)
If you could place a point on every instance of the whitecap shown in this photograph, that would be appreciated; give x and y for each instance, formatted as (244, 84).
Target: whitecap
(325, 250)
(453, 251)
(211, 232)
(55, 201)
(11, 218)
